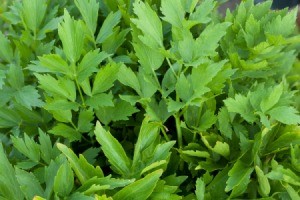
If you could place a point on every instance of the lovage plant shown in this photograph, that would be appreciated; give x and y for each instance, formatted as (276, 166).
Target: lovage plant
(154, 99)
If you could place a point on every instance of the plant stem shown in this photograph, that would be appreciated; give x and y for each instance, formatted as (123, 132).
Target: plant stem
(80, 93)
(164, 133)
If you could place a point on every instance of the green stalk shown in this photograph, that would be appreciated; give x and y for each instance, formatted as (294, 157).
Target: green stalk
(178, 129)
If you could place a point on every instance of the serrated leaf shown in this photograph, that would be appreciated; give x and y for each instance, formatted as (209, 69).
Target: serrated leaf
(61, 104)
(89, 11)
(6, 51)
(72, 36)
(33, 12)
(272, 99)
(224, 123)
(119, 37)
(15, 76)
(29, 97)
(8, 181)
(108, 25)
(113, 150)
(149, 23)
(28, 147)
(65, 131)
(83, 170)
(141, 189)
(285, 115)
(241, 105)
(29, 184)
(100, 100)
(64, 180)
(127, 77)
(47, 151)
(202, 12)
(105, 78)
(183, 88)
(173, 12)
(239, 178)
(89, 64)
(56, 64)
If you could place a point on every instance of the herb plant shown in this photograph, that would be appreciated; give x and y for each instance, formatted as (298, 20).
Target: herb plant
(155, 99)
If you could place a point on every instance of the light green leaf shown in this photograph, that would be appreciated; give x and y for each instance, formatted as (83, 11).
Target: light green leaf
(71, 33)
(174, 12)
(119, 37)
(89, 64)
(285, 115)
(9, 186)
(292, 192)
(47, 151)
(33, 13)
(29, 184)
(149, 23)
(203, 11)
(224, 123)
(183, 88)
(29, 97)
(141, 189)
(2, 79)
(83, 170)
(64, 180)
(6, 51)
(65, 131)
(127, 77)
(239, 178)
(241, 105)
(264, 185)
(61, 104)
(200, 189)
(113, 150)
(15, 76)
(56, 64)
(105, 78)
(89, 11)
(100, 100)
(108, 25)
(272, 99)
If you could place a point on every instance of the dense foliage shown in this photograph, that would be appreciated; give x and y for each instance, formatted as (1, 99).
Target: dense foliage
(154, 99)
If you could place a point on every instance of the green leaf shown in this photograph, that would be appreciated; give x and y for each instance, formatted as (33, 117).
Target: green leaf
(285, 115)
(29, 184)
(108, 25)
(29, 97)
(239, 178)
(292, 192)
(119, 37)
(272, 99)
(83, 170)
(89, 64)
(2, 79)
(281, 174)
(89, 11)
(127, 77)
(56, 64)
(84, 120)
(141, 189)
(241, 105)
(121, 111)
(6, 51)
(105, 78)
(264, 185)
(47, 151)
(64, 180)
(203, 11)
(224, 123)
(100, 100)
(71, 33)
(113, 150)
(149, 23)
(295, 151)
(63, 87)
(33, 13)
(28, 147)
(15, 76)
(174, 12)
(65, 131)
(9, 186)
(200, 189)
(183, 88)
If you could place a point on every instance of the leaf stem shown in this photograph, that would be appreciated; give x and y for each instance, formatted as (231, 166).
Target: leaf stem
(80, 93)
(178, 129)
(164, 133)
